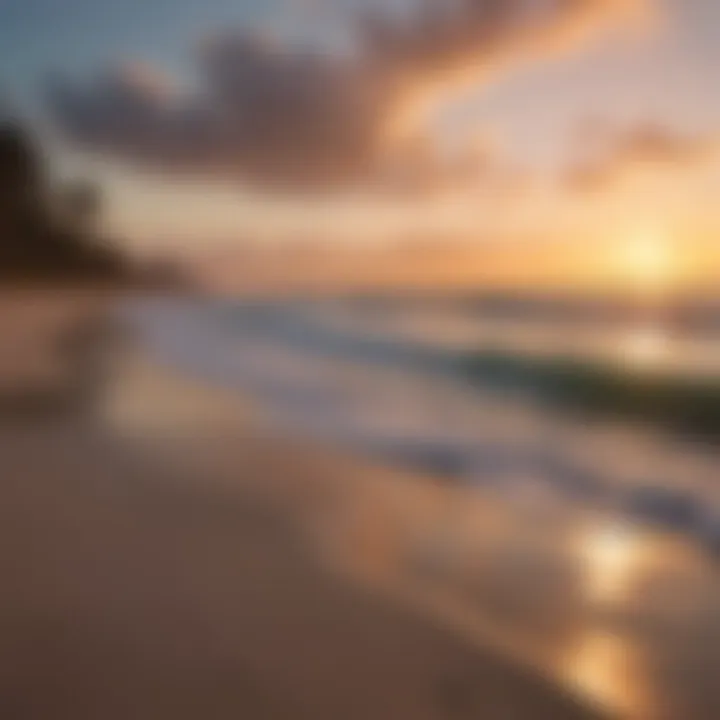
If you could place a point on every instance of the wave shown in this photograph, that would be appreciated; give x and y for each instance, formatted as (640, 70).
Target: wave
(438, 410)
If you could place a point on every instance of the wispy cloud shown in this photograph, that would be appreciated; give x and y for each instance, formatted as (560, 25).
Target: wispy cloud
(618, 154)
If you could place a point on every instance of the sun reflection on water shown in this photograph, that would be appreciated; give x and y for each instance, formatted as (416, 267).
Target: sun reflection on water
(645, 348)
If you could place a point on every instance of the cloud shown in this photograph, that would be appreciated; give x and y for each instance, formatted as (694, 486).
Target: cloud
(620, 154)
(274, 116)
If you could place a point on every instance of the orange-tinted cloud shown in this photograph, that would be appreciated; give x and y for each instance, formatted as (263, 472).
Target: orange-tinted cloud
(646, 146)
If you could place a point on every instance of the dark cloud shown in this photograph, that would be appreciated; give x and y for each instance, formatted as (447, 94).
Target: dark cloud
(265, 115)
(274, 116)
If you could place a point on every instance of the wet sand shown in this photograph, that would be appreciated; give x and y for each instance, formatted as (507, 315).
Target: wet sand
(158, 561)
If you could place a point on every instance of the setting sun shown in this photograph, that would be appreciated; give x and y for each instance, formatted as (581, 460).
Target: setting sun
(646, 261)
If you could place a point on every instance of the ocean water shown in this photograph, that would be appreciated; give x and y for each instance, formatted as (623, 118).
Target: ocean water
(385, 377)
(587, 545)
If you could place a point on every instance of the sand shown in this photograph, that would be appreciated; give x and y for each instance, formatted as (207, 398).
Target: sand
(135, 587)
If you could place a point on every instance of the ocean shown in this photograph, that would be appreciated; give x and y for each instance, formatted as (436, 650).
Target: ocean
(394, 379)
(581, 535)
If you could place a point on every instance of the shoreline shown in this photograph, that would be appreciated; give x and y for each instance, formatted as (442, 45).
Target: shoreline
(533, 584)
(139, 584)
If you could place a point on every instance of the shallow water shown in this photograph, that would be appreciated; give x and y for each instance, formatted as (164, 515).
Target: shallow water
(403, 402)
(588, 546)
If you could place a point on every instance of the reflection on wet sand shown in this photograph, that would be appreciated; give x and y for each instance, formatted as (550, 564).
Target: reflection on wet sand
(604, 667)
(602, 662)
(514, 595)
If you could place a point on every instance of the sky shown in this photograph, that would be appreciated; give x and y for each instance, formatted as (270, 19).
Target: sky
(213, 122)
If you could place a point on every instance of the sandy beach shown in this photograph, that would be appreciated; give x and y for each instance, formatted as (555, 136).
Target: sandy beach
(163, 559)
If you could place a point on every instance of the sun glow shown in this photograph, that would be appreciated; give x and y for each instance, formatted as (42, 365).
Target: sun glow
(646, 261)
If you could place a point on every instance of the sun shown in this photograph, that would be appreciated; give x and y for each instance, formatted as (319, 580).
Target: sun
(646, 261)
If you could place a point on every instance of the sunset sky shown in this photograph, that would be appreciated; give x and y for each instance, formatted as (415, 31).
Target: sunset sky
(208, 121)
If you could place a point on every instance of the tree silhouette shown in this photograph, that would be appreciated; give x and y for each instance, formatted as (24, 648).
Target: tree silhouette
(81, 204)
(40, 238)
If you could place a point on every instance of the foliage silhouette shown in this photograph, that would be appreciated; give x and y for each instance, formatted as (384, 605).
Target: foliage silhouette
(45, 233)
